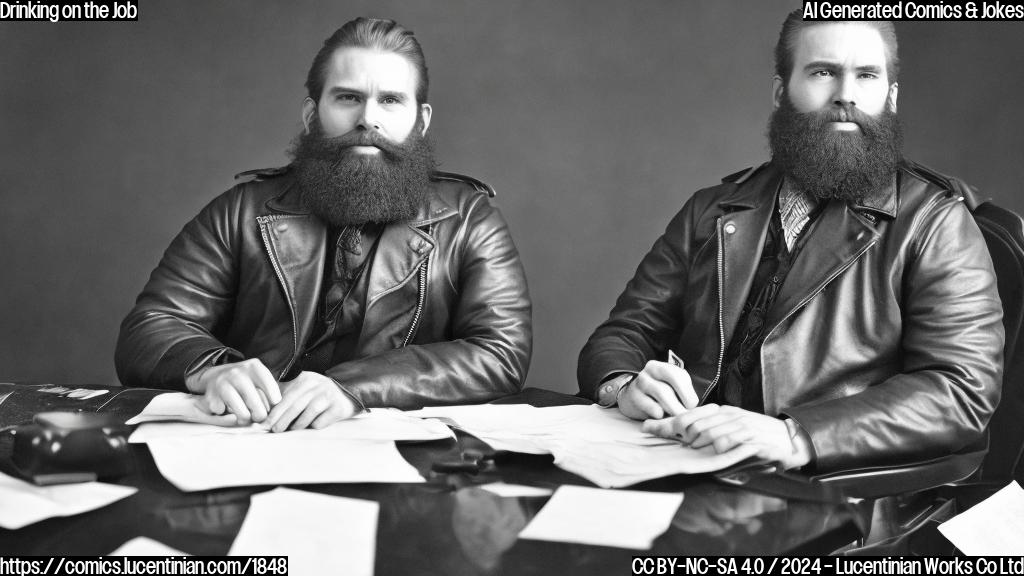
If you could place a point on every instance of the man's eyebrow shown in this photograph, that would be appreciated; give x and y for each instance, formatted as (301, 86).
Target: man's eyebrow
(822, 64)
(830, 65)
(396, 94)
(345, 90)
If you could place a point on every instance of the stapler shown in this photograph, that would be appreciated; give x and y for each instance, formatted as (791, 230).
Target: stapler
(66, 447)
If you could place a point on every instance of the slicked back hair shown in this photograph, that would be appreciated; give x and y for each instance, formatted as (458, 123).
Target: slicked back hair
(375, 34)
(786, 46)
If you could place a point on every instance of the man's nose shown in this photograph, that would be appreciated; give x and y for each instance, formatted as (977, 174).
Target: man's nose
(845, 93)
(368, 118)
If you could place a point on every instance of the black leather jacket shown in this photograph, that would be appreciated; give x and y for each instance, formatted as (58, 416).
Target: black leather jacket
(885, 341)
(447, 313)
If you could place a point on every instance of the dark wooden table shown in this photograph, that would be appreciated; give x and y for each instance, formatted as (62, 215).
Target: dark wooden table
(447, 525)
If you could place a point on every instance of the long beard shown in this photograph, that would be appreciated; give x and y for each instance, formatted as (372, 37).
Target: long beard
(835, 164)
(346, 188)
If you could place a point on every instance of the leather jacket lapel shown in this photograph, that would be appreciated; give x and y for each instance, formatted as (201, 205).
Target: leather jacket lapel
(296, 245)
(834, 243)
(400, 251)
(742, 240)
(392, 295)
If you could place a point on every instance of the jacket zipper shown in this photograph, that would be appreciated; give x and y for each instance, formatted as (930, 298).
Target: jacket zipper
(264, 221)
(419, 301)
(721, 319)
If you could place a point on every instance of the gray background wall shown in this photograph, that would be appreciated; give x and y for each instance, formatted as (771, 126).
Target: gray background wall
(594, 120)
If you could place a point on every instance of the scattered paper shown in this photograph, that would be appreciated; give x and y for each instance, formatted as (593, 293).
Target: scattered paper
(378, 424)
(179, 407)
(303, 457)
(515, 490)
(23, 503)
(142, 546)
(600, 445)
(619, 518)
(993, 527)
(612, 465)
(320, 534)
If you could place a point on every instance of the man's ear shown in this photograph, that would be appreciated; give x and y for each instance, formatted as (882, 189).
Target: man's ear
(778, 91)
(894, 91)
(425, 112)
(308, 112)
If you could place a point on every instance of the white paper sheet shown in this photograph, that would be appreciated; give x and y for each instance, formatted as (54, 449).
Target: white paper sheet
(515, 490)
(993, 527)
(23, 503)
(179, 407)
(619, 518)
(320, 534)
(600, 445)
(378, 424)
(218, 460)
(142, 546)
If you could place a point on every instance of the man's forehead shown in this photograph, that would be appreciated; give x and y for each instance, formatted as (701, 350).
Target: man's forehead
(853, 43)
(357, 67)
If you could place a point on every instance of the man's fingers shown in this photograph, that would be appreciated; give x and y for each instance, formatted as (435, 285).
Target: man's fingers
(265, 381)
(700, 427)
(287, 411)
(647, 406)
(661, 392)
(235, 404)
(677, 378)
(660, 427)
(253, 402)
(716, 431)
(683, 422)
(214, 404)
(316, 406)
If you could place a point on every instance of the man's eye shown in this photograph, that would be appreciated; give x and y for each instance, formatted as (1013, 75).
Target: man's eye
(868, 75)
(822, 73)
(348, 98)
(390, 100)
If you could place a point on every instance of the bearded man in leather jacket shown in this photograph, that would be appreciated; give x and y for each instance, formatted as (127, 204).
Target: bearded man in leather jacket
(357, 276)
(833, 308)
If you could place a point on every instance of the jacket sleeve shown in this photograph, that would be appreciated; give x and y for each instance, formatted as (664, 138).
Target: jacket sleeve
(645, 320)
(188, 297)
(952, 346)
(488, 353)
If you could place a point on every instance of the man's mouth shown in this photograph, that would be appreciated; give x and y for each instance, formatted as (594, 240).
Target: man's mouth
(365, 149)
(842, 122)
(844, 126)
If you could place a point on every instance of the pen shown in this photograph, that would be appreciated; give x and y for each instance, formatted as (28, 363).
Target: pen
(673, 359)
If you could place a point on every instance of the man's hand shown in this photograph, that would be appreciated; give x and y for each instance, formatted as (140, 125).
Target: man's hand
(660, 389)
(726, 427)
(310, 399)
(246, 389)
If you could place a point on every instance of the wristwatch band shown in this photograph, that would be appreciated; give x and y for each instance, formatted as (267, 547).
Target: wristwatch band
(608, 393)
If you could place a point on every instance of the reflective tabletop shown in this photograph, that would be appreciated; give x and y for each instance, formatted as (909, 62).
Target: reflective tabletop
(447, 525)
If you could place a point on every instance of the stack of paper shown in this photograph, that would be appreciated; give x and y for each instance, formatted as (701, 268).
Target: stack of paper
(320, 534)
(375, 425)
(22, 503)
(303, 457)
(180, 407)
(201, 456)
(600, 445)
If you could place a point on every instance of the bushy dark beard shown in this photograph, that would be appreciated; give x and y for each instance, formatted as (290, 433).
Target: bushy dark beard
(346, 188)
(835, 164)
